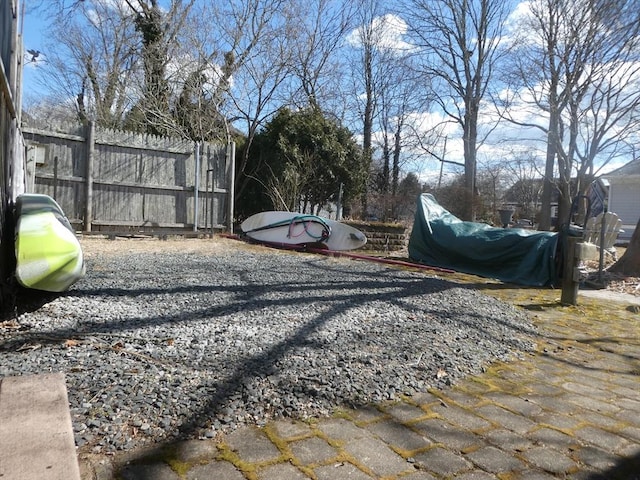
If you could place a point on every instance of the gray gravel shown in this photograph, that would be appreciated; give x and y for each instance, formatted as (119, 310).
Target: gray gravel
(169, 344)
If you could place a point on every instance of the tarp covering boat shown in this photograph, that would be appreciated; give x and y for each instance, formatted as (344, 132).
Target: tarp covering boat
(514, 255)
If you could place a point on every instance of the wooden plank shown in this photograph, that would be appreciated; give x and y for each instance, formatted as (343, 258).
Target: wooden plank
(161, 208)
(145, 186)
(125, 223)
(52, 133)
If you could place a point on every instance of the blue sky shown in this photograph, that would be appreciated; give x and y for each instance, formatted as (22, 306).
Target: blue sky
(33, 38)
(35, 24)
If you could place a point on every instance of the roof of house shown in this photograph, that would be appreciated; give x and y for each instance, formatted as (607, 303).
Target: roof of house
(631, 168)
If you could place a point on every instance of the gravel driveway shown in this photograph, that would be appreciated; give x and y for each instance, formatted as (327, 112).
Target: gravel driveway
(190, 338)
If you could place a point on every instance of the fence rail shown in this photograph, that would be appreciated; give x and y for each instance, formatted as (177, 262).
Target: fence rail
(110, 180)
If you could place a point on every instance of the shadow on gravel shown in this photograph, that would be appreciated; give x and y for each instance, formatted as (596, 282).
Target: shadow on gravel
(25, 301)
(251, 296)
(382, 287)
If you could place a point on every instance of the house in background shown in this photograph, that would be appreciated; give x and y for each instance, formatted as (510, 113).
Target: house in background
(624, 196)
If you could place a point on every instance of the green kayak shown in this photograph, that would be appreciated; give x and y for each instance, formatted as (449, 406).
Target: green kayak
(48, 254)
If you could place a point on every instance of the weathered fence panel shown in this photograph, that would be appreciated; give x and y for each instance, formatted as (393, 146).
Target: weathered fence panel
(12, 165)
(127, 181)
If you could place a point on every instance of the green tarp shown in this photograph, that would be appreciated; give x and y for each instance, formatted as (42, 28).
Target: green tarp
(514, 255)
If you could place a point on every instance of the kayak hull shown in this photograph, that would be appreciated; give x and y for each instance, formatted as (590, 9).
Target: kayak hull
(289, 228)
(48, 253)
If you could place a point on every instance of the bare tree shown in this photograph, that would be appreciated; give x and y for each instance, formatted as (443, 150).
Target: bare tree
(116, 58)
(629, 263)
(250, 51)
(459, 44)
(578, 64)
(384, 93)
(607, 119)
(604, 37)
(190, 73)
(91, 58)
(491, 179)
(557, 98)
(400, 100)
(159, 31)
(368, 65)
(253, 99)
(524, 172)
(316, 32)
(293, 64)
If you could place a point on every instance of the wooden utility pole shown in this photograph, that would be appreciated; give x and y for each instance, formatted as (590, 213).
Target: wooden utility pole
(569, 282)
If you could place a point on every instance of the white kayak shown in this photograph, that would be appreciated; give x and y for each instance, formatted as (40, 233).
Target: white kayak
(289, 228)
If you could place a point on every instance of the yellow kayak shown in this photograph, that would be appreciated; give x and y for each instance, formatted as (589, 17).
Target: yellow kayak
(48, 254)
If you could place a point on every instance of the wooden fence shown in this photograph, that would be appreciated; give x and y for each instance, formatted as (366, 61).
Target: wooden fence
(108, 180)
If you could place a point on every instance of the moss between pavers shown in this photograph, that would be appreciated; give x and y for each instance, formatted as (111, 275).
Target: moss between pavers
(363, 416)
(181, 468)
(288, 455)
(283, 446)
(166, 454)
(247, 468)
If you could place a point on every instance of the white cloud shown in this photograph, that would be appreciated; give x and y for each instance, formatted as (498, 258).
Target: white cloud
(181, 67)
(99, 11)
(387, 32)
(521, 13)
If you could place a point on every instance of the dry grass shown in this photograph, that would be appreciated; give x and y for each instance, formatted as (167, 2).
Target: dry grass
(100, 245)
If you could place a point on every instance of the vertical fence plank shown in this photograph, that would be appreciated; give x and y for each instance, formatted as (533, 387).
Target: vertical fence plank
(88, 207)
(231, 172)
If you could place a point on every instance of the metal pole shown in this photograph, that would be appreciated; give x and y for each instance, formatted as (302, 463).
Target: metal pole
(206, 201)
(210, 194)
(88, 212)
(444, 154)
(196, 187)
(231, 187)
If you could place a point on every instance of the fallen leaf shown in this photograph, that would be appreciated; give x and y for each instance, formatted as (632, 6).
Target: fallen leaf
(10, 325)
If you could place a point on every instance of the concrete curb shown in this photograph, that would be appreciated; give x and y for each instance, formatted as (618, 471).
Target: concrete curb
(36, 436)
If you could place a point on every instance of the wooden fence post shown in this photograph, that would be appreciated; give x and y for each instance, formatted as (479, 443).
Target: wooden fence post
(55, 178)
(569, 283)
(196, 189)
(231, 165)
(88, 207)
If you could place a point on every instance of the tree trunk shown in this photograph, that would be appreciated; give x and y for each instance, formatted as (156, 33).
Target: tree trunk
(470, 138)
(629, 263)
(367, 121)
(564, 204)
(549, 184)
